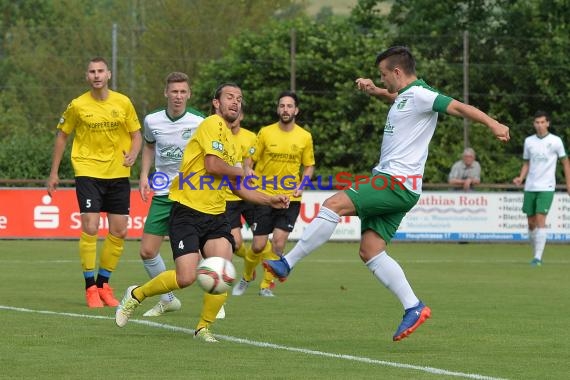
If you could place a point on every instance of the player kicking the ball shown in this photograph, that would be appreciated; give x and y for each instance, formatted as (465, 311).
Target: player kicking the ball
(409, 128)
(198, 226)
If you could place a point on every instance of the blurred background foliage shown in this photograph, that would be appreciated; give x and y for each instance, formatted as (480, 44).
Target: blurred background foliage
(518, 63)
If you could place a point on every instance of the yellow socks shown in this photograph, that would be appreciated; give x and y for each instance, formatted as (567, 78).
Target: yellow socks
(241, 251)
(163, 283)
(251, 261)
(111, 252)
(88, 251)
(268, 277)
(211, 305)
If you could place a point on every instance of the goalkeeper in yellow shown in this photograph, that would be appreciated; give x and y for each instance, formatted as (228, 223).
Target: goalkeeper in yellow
(198, 224)
(106, 144)
(280, 151)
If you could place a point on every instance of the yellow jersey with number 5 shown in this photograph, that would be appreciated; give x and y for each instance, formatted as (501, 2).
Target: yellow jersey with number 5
(102, 134)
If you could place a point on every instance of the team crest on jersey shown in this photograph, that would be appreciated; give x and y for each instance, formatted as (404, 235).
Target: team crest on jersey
(402, 104)
(186, 134)
(216, 145)
(61, 120)
(251, 151)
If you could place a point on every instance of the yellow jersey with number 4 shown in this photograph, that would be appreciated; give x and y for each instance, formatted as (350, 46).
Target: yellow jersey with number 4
(196, 188)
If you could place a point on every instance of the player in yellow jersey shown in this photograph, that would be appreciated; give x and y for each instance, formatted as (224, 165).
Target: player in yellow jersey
(236, 208)
(281, 150)
(198, 224)
(106, 144)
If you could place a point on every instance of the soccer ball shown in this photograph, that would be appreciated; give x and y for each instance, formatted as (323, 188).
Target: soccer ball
(216, 275)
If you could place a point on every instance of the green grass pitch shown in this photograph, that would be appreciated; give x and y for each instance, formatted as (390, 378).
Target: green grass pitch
(493, 316)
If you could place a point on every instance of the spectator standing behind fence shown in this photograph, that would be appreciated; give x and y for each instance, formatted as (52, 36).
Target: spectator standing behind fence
(541, 151)
(465, 172)
(106, 144)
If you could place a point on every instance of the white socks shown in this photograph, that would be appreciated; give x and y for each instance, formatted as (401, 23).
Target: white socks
(539, 242)
(154, 267)
(389, 273)
(315, 234)
(386, 269)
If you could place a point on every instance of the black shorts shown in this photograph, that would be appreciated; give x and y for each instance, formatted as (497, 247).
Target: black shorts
(189, 230)
(236, 209)
(267, 218)
(103, 195)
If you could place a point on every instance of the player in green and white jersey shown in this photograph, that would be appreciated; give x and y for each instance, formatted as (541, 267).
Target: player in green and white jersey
(408, 130)
(541, 152)
(166, 133)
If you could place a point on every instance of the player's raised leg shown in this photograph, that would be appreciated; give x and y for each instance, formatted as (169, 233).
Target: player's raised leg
(316, 234)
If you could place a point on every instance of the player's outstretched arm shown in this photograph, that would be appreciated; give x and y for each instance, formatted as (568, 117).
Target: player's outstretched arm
(367, 85)
(216, 166)
(457, 108)
(279, 201)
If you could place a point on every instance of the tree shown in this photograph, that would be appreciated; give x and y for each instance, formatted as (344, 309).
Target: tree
(175, 35)
(46, 46)
(518, 64)
(330, 55)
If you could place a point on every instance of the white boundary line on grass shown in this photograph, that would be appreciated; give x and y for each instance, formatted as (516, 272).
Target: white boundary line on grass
(432, 370)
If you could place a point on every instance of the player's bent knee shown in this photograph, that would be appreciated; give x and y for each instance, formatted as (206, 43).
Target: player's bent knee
(119, 233)
(340, 203)
(147, 255)
(90, 229)
(257, 250)
(185, 282)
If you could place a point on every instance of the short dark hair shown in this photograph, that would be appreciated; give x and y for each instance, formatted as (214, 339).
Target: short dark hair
(398, 56)
(290, 94)
(540, 113)
(99, 59)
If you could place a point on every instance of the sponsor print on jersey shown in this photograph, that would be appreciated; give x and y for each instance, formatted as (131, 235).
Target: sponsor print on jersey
(172, 153)
(216, 145)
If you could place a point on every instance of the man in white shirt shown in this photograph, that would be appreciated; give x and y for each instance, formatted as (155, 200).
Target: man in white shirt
(541, 152)
(408, 130)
